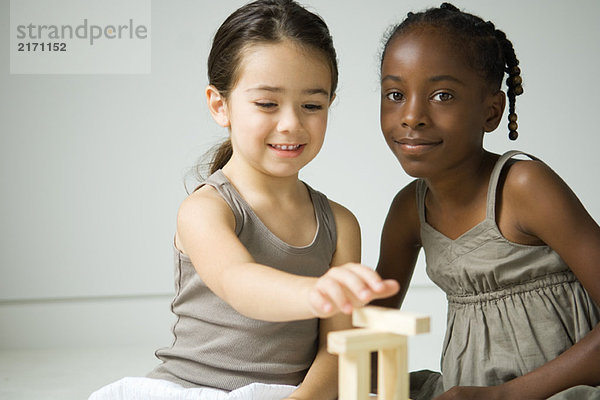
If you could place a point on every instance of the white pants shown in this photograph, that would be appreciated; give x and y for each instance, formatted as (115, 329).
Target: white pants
(157, 389)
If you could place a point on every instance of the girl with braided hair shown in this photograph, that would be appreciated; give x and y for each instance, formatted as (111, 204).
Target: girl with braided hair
(506, 239)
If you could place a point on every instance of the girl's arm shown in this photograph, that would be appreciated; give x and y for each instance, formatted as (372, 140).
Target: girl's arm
(321, 380)
(550, 211)
(399, 249)
(400, 244)
(206, 233)
(541, 206)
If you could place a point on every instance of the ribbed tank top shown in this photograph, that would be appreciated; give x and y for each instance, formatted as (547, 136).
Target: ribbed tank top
(214, 345)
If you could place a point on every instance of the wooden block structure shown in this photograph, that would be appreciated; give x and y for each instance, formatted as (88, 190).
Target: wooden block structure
(385, 331)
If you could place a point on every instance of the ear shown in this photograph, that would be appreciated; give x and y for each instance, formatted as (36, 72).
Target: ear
(332, 99)
(495, 108)
(217, 106)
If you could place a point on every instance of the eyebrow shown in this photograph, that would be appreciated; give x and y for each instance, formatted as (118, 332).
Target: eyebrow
(275, 89)
(436, 78)
(440, 78)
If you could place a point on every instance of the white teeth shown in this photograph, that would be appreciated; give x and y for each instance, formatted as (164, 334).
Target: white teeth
(286, 147)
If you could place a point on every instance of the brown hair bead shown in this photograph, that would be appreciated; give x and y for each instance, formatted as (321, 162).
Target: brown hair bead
(518, 90)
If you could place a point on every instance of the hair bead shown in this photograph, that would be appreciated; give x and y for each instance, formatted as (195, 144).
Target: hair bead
(518, 90)
(513, 135)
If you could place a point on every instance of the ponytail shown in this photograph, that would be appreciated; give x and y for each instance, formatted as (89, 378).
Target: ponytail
(209, 163)
(221, 156)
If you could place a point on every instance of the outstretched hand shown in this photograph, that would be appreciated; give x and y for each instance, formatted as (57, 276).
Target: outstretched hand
(350, 286)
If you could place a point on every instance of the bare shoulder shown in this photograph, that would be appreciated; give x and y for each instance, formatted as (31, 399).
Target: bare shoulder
(538, 201)
(403, 215)
(344, 218)
(199, 213)
(204, 202)
(348, 246)
(525, 174)
(534, 186)
(546, 208)
(407, 197)
(401, 234)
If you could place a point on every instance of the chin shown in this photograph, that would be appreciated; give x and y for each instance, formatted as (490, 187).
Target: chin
(415, 169)
(282, 172)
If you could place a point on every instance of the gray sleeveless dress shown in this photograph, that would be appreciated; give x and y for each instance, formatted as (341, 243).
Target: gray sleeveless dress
(511, 307)
(214, 345)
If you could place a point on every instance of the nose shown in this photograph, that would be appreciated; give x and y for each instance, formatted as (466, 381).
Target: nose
(414, 114)
(290, 120)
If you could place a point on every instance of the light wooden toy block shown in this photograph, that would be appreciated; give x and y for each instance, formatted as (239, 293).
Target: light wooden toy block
(391, 320)
(385, 331)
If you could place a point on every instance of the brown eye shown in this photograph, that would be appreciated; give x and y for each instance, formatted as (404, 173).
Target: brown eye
(442, 96)
(395, 96)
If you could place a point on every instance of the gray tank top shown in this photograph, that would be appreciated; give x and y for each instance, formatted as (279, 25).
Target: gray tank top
(511, 307)
(214, 345)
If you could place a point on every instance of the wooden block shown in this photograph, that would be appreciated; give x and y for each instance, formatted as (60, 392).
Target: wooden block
(362, 340)
(390, 320)
(392, 376)
(383, 330)
(354, 374)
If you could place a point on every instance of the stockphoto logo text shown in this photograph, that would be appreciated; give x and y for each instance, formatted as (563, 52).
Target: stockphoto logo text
(75, 37)
(89, 32)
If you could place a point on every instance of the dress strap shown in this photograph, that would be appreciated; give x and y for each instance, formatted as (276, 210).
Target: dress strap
(493, 185)
(421, 191)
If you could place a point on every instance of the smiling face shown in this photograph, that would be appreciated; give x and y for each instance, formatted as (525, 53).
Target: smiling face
(434, 106)
(277, 111)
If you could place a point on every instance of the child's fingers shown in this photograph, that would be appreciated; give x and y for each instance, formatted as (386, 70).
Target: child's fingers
(321, 305)
(330, 287)
(344, 288)
(348, 286)
(390, 288)
(369, 277)
(351, 282)
(373, 286)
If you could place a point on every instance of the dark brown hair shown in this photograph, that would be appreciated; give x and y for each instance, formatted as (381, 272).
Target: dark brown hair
(486, 48)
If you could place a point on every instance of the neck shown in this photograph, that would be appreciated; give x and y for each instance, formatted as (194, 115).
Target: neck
(253, 183)
(461, 186)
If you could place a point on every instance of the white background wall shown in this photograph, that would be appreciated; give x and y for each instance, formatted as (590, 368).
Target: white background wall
(92, 166)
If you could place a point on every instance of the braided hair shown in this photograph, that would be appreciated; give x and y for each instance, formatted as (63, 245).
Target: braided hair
(488, 49)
